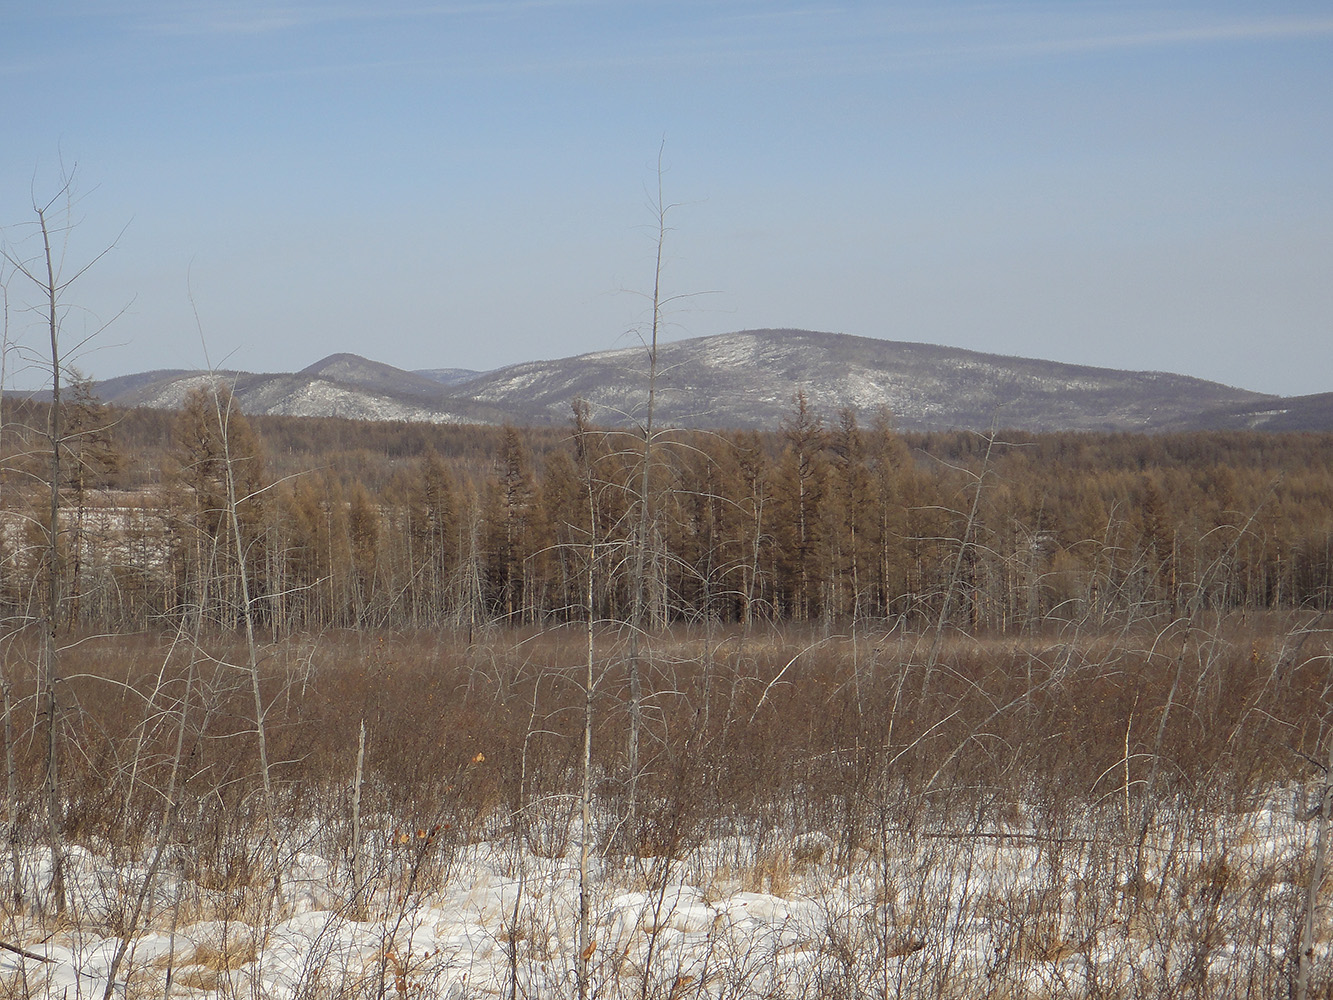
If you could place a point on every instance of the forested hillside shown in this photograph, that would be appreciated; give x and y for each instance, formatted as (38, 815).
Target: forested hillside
(347, 523)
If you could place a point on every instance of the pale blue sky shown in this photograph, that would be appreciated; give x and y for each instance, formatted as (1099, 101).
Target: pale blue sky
(1131, 184)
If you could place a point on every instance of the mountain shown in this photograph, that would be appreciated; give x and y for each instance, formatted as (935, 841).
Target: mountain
(341, 385)
(1291, 413)
(447, 376)
(749, 379)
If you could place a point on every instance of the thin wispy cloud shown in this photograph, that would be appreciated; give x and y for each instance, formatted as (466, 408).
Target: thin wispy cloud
(259, 18)
(1244, 31)
(794, 40)
(244, 19)
(1053, 31)
(804, 40)
(313, 71)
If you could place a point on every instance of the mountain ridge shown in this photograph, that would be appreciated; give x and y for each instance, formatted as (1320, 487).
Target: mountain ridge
(749, 379)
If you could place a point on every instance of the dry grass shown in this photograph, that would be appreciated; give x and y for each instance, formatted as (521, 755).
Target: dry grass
(772, 727)
(819, 756)
(771, 873)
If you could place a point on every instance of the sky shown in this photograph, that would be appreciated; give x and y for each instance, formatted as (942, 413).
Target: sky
(1137, 185)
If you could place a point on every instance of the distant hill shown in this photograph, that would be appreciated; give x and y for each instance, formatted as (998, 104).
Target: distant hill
(448, 376)
(1290, 413)
(341, 385)
(749, 379)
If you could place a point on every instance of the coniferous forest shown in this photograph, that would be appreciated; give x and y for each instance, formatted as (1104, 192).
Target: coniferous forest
(821, 520)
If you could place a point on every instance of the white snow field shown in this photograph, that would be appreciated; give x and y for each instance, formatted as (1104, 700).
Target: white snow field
(1008, 910)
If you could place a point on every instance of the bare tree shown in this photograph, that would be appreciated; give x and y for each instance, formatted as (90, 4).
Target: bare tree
(11, 772)
(48, 270)
(226, 413)
(584, 941)
(643, 541)
(1305, 958)
(966, 544)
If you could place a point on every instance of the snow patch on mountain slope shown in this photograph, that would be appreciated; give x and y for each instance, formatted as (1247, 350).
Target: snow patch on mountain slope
(322, 398)
(734, 351)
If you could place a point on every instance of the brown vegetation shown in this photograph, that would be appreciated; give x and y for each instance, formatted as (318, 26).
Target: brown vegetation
(410, 526)
(853, 652)
(1073, 743)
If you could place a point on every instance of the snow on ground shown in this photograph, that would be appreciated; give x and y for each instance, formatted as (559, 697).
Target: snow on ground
(730, 919)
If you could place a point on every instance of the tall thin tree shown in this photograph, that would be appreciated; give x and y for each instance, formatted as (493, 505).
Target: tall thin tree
(644, 533)
(47, 271)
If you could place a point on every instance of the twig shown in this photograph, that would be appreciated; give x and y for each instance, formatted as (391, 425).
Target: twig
(26, 954)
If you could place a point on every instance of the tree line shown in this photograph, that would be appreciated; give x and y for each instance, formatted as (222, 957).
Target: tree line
(822, 520)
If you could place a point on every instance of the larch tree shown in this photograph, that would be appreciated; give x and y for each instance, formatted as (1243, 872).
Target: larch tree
(509, 510)
(93, 462)
(51, 276)
(801, 481)
(435, 524)
(853, 509)
(363, 526)
(219, 478)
